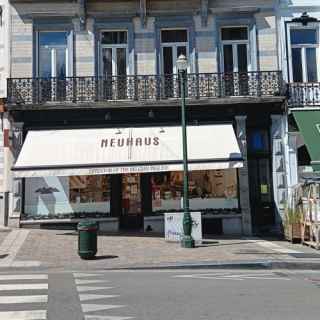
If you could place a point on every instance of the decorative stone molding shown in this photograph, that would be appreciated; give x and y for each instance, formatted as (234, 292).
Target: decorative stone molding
(278, 168)
(143, 12)
(204, 11)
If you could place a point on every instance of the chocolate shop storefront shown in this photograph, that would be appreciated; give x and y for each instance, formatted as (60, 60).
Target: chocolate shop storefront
(127, 176)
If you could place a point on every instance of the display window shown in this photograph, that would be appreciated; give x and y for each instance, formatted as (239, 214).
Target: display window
(90, 193)
(212, 189)
(67, 197)
(89, 189)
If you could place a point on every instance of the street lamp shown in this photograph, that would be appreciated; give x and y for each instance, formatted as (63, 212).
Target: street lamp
(187, 240)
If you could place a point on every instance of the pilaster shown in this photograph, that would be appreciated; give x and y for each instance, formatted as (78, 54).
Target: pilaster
(17, 202)
(278, 125)
(244, 177)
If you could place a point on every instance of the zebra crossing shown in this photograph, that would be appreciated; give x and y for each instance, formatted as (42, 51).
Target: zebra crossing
(23, 296)
(95, 292)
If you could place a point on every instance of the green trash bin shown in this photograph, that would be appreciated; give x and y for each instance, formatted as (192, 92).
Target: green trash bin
(87, 239)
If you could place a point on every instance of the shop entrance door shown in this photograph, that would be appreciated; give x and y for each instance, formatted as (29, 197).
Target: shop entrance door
(262, 208)
(131, 215)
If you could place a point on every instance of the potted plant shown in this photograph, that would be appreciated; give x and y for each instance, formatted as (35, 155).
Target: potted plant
(292, 224)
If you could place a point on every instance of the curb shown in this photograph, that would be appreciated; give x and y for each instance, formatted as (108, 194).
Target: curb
(251, 265)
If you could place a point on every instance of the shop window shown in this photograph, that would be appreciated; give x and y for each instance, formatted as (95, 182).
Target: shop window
(90, 193)
(89, 189)
(212, 189)
(67, 197)
(304, 54)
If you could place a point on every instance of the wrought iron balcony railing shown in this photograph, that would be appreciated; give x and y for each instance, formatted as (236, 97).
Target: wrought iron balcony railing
(304, 94)
(37, 91)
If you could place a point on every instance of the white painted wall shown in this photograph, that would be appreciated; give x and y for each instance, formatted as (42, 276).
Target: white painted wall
(4, 74)
(4, 47)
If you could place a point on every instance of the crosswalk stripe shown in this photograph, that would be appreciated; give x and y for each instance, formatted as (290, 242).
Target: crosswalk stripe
(85, 275)
(4, 277)
(87, 297)
(91, 317)
(85, 288)
(99, 307)
(24, 315)
(23, 299)
(81, 281)
(23, 286)
(273, 246)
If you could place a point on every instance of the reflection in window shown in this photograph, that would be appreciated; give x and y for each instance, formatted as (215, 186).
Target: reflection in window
(90, 193)
(234, 33)
(169, 36)
(114, 37)
(53, 54)
(311, 58)
(212, 189)
(303, 36)
(297, 65)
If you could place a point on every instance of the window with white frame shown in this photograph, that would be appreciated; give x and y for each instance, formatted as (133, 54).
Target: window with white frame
(304, 43)
(114, 53)
(53, 52)
(174, 42)
(235, 49)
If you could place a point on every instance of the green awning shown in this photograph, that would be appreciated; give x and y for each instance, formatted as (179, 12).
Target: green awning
(308, 121)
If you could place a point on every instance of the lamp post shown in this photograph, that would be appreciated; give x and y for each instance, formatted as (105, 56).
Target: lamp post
(187, 240)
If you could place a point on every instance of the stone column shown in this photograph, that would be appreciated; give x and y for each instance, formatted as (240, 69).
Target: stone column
(278, 127)
(16, 207)
(244, 177)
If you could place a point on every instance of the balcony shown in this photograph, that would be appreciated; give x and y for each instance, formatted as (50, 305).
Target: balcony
(148, 89)
(304, 94)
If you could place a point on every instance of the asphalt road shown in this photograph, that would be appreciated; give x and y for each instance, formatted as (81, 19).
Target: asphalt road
(155, 295)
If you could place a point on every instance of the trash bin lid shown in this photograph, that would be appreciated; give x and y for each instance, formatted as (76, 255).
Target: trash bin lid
(87, 225)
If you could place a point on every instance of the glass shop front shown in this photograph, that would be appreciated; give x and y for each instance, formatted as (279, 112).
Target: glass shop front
(129, 197)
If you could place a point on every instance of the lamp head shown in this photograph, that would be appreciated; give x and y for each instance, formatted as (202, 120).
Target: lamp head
(182, 63)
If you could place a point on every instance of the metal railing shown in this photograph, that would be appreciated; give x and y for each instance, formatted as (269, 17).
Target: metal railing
(35, 91)
(304, 94)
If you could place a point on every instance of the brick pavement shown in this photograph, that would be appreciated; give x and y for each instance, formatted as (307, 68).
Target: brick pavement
(59, 249)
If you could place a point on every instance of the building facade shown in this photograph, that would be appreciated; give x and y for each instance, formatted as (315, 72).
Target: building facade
(107, 70)
(5, 175)
(299, 39)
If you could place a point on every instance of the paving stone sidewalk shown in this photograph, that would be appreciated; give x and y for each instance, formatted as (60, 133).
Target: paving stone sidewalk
(58, 249)
(3, 234)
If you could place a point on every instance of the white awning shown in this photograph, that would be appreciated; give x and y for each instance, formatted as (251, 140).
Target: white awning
(126, 150)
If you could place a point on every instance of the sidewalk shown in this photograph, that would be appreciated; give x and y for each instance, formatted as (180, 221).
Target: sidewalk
(58, 250)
